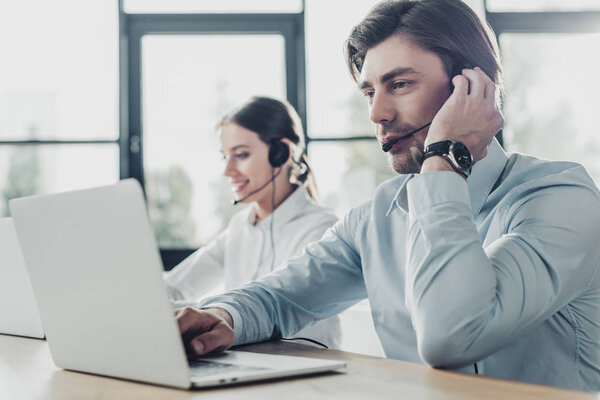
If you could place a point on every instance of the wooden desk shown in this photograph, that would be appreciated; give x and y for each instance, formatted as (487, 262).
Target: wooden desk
(27, 372)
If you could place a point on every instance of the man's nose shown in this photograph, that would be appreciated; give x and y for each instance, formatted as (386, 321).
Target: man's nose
(382, 109)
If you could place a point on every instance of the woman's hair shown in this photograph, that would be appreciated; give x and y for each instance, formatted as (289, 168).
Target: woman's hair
(448, 28)
(273, 120)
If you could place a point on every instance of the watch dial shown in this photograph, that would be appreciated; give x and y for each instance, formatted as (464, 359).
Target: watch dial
(462, 155)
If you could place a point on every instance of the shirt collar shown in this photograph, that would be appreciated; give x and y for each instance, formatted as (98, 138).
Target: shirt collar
(484, 175)
(480, 183)
(285, 212)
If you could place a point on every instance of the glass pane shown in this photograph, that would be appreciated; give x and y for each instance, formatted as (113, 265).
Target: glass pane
(551, 102)
(334, 104)
(59, 74)
(36, 169)
(348, 173)
(189, 83)
(223, 6)
(542, 5)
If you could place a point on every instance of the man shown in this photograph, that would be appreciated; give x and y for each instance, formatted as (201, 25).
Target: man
(488, 268)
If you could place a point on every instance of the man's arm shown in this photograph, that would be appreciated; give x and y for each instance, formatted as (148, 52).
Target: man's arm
(468, 301)
(323, 281)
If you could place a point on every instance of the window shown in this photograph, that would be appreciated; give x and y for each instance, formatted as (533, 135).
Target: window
(222, 6)
(342, 148)
(183, 72)
(58, 96)
(551, 82)
(188, 83)
(541, 5)
(551, 106)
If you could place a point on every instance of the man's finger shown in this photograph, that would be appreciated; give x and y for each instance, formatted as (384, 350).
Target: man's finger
(193, 320)
(476, 83)
(220, 338)
(461, 86)
(490, 86)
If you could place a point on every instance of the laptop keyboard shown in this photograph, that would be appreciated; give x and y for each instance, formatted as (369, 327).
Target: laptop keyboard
(204, 368)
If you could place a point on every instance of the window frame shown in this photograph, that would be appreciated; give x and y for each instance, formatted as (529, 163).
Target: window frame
(14, 143)
(540, 22)
(134, 26)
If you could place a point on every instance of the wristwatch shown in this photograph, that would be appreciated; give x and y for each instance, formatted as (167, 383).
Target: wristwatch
(456, 153)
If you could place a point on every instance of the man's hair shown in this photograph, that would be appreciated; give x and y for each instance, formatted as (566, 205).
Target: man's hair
(448, 28)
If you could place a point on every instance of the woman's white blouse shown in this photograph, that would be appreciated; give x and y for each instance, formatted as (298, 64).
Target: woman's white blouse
(243, 253)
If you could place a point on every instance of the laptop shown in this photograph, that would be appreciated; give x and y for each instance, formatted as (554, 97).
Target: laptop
(97, 275)
(18, 311)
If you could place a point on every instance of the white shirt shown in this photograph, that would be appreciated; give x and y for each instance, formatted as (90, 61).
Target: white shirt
(243, 253)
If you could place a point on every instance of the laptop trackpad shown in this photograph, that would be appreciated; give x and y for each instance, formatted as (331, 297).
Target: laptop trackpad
(200, 367)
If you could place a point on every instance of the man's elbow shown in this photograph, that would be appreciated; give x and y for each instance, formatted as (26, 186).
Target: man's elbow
(442, 350)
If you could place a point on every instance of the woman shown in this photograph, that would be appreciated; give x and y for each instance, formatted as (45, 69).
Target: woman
(263, 147)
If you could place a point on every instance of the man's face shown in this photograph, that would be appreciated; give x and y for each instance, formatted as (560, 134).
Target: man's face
(405, 86)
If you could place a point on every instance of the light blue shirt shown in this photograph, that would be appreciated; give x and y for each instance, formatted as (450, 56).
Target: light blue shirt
(500, 270)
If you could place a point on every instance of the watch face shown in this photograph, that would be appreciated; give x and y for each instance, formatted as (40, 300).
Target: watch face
(462, 155)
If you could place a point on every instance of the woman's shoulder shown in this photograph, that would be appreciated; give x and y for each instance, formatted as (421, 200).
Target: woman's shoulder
(312, 209)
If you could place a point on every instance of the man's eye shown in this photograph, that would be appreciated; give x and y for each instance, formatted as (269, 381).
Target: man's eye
(369, 94)
(242, 156)
(400, 84)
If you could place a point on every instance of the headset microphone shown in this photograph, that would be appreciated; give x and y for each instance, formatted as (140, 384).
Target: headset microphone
(388, 146)
(279, 152)
(238, 201)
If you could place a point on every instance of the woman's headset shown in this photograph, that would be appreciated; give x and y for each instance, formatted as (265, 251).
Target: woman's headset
(279, 152)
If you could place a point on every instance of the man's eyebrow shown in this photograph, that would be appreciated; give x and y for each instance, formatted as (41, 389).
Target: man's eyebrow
(389, 75)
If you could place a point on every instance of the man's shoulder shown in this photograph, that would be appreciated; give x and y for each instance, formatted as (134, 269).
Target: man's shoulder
(523, 169)
(525, 176)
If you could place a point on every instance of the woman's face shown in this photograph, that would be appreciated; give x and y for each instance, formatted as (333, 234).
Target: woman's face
(246, 162)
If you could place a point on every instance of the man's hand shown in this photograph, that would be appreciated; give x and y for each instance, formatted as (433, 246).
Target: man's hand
(470, 115)
(205, 330)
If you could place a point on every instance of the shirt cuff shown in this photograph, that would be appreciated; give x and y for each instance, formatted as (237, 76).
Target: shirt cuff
(432, 188)
(235, 317)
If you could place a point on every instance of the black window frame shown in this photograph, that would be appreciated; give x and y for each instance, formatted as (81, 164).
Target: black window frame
(540, 22)
(134, 26)
(15, 143)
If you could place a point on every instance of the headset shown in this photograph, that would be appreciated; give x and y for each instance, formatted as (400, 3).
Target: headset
(279, 152)
(456, 70)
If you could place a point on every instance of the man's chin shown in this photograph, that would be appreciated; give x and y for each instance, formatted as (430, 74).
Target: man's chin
(403, 164)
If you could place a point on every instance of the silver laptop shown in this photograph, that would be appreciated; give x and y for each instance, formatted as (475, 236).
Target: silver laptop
(97, 275)
(18, 311)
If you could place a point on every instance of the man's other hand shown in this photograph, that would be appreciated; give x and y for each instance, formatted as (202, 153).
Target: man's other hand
(204, 331)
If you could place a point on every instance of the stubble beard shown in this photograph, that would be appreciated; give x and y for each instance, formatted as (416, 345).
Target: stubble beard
(401, 161)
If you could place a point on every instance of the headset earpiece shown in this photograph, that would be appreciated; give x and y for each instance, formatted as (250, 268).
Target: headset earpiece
(279, 152)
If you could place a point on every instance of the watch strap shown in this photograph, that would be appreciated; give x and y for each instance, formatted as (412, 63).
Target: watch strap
(437, 149)
(442, 148)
